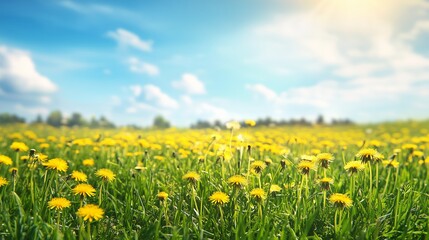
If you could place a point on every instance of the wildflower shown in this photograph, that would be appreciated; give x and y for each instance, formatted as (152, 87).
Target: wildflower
(19, 147)
(368, 154)
(305, 166)
(162, 196)
(325, 182)
(324, 159)
(79, 176)
(84, 189)
(237, 181)
(409, 146)
(5, 160)
(340, 200)
(274, 188)
(258, 193)
(233, 125)
(354, 166)
(219, 198)
(40, 157)
(59, 203)
(308, 158)
(250, 123)
(13, 171)
(56, 164)
(391, 163)
(88, 162)
(90, 212)
(106, 174)
(3, 181)
(192, 177)
(257, 166)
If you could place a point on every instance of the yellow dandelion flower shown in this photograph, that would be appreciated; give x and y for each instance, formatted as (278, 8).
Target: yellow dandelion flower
(368, 155)
(13, 171)
(354, 166)
(79, 176)
(90, 212)
(325, 182)
(5, 160)
(56, 164)
(83, 190)
(40, 157)
(306, 166)
(19, 147)
(219, 198)
(106, 174)
(340, 200)
(308, 158)
(391, 163)
(88, 162)
(257, 166)
(192, 177)
(274, 188)
(258, 193)
(409, 146)
(237, 181)
(3, 181)
(250, 123)
(162, 196)
(325, 159)
(59, 203)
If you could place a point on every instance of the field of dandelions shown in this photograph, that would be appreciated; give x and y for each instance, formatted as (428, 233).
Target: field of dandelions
(319, 182)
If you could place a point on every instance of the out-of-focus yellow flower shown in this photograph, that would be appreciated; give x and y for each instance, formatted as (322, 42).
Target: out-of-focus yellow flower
(258, 193)
(90, 212)
(219, 198)
(84, 190)
(354, 166)
(3, 181)
(192, 177)
(5, 160)
(162, 196)
(340, 200)
(59, 203)
(88, 162)
(56, 164)
(79, 176)
(19, 147)
(106, 174)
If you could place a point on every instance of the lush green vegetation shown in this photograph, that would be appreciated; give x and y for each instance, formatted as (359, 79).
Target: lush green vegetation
(162, 182)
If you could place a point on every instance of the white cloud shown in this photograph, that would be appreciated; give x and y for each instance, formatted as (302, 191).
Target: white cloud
(126, 38)
(138, 66)
(365, 47)
(154, 94)
(263, 91)
(87, 8)
(190, 84)
(20, 81)
(136, 90)
(115, 100)
(35, 110)
(18, 73)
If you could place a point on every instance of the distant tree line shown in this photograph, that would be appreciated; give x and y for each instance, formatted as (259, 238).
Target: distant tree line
(57, 119)
(6, 118)
(201, 124)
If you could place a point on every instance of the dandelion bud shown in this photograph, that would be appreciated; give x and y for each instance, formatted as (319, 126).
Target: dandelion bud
(283, 164)
(32, 152)
(13, 171)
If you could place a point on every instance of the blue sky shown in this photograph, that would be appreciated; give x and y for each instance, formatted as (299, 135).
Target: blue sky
(188, 60)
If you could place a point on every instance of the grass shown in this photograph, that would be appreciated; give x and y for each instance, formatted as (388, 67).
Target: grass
(388, 202)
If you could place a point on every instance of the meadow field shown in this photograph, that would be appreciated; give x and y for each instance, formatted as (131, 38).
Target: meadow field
(315, 182)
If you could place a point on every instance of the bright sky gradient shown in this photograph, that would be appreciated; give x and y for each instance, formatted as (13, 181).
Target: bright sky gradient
(187, 60)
